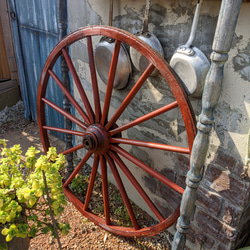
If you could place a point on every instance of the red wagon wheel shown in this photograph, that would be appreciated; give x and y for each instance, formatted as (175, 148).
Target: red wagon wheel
(102, 135)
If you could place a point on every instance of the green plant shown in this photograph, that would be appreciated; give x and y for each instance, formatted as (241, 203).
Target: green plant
(31, 193)
(79, 184)
(117, 198)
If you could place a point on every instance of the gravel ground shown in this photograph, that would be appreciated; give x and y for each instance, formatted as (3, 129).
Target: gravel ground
(12, 114)
(83, 234)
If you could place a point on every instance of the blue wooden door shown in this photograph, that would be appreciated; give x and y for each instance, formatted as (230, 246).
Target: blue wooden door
(35, 31)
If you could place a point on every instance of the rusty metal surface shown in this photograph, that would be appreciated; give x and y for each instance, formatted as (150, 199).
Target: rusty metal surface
(99, 131)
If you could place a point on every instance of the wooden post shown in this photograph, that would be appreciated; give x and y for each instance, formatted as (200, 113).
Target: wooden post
(225, 29)
(62, 16)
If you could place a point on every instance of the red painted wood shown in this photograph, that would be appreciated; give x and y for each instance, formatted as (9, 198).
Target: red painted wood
(136, 184)
(122, 192)
(144, 118)
(110, 83)
(150, 145)
(91, 182)
(131, 95)
(77, 169)
(94, 80)
(148, 169)
(123, 231)
(74, 149)
(62, 130)
(64, 113)
(101, 139)
(105, 189)
(78, 85)
(69, 96)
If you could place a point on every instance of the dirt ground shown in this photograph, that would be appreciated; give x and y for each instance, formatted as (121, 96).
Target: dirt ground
(83, 234)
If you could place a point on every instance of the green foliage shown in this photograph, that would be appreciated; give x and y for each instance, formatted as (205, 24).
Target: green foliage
(79, 184)
(23, 193)
(3, 247)
(64, 228)
(123, 216)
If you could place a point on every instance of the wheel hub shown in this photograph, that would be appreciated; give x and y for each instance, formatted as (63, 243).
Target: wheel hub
(90, 142)
(96, 139)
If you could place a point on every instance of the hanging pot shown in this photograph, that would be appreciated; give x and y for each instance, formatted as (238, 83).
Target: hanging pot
(139, 61)
(103, 56)
(190, 64)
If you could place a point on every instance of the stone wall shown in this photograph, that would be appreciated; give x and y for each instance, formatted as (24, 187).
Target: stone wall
(222, 216)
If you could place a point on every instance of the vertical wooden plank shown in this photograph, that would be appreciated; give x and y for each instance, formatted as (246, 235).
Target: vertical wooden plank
(4, 68)
(8, 40)
(19, 59)
(35, 33)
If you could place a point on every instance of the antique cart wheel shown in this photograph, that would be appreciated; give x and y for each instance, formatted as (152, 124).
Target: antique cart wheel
(102, 135)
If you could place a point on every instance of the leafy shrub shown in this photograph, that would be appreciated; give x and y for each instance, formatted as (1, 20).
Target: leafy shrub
(31, 193)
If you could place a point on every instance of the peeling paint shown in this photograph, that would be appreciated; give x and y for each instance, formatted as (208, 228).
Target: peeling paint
(171, 22)
(129, 21)
(241, 62)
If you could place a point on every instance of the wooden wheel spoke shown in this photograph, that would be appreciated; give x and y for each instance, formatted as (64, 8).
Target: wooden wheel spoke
(77, 169)
(91, 182)
(73, 149)
(69, 96)
(148, 169)
(100, 135)
(123, 192)
(135, 183)
(111, 79)
(144, 118)
(64, 113)
(63, 130)
(78, 85)
(146, 144)
(105, 189)
(94, 80)
(131, 95)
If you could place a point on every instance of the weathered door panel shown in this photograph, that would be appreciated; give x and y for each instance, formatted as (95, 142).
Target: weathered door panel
(35, 32)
